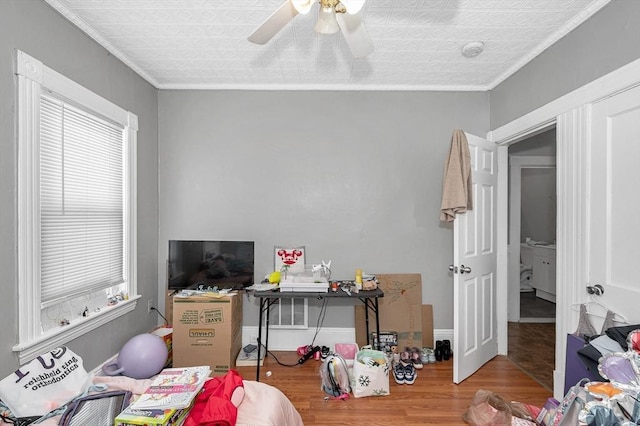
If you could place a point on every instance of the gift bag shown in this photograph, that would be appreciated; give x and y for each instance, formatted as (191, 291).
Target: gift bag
(572, 403)
(45, 384)
(370, 373)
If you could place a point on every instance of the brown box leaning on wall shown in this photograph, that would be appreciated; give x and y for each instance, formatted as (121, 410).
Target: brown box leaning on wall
(168, 307)
(427, 326)
(400, 310)
(207, 330)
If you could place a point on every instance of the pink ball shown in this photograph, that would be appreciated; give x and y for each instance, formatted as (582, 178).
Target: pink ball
(142, 357)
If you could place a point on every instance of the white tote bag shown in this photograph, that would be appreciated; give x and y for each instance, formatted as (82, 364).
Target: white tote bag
(45, 384)
(370, 374)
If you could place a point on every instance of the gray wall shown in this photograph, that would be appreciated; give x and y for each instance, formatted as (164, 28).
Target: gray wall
(354, 176)
(31, 26)
(538, 188)
(538, 205)
(542, 144)
(605, 42)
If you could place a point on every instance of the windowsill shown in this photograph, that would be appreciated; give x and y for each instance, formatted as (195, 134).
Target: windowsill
(61, 336)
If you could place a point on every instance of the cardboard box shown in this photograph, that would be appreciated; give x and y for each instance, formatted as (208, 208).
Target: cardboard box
(427, 326)
(166, 334)
(168, 307)
(400, 310)
(207, 330)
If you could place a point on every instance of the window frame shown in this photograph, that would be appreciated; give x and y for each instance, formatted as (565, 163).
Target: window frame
(33, 78)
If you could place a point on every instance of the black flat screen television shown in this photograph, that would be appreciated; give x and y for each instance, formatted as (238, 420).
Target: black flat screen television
(222, 264)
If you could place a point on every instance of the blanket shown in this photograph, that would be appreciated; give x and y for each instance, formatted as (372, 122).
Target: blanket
(259, 405)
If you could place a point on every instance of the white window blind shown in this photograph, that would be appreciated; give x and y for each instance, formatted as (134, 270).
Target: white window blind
(81, 202)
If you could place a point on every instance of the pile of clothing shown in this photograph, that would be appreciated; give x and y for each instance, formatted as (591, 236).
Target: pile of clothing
(613, 399)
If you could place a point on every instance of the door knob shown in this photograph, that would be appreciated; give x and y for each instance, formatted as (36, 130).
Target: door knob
(453, 269)
(464, 269)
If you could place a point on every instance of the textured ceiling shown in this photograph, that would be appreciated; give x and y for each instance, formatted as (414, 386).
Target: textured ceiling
(202, 44)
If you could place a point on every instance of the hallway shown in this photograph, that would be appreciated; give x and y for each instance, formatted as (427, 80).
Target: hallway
(532, 348)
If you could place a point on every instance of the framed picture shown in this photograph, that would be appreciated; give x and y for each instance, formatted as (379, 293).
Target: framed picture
(289, 258)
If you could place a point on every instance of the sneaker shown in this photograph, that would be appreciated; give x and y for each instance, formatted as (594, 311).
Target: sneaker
(415, 358)
(432, 356)
(410, 374)
(405, 356)
(424, 355)
(324, 352)
(399, 374)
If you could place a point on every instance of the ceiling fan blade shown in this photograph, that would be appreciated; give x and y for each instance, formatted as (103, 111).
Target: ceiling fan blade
(355, 34)
(274, 23)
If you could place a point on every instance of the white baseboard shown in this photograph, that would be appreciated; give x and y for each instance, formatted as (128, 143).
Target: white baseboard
(443, 334)
(290, 340)
(98, 370)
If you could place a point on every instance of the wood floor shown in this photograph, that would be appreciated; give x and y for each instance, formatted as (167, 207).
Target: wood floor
(532, 348)
(432, 399)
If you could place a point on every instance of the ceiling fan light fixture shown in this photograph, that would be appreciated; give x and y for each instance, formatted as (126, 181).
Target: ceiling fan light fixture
(352, 6)
(327, 23)
(302, 6)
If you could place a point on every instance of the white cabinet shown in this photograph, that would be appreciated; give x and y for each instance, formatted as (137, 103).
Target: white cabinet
(544, 272)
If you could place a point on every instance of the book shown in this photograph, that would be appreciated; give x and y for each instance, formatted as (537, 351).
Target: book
(152, 417)
(249, 359)
(173, 388)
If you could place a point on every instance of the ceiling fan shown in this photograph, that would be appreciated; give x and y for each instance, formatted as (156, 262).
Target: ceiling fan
(333, 16)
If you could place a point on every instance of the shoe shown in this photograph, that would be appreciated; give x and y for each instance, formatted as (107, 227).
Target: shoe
(302, 350)
(324, 352)
(446, 350)
(405, 356)
(415, 358)
(432, 356)
(427, 356)
(398, 374)
(438, 350)
(424, 355)
(410, 374)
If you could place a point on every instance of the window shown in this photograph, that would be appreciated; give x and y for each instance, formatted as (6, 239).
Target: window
(76, 209)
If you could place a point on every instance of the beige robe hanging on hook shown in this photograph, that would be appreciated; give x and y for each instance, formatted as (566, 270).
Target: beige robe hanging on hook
(456, 185)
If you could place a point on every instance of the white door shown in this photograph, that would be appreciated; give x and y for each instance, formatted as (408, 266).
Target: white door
(614, 204)
(474, 256)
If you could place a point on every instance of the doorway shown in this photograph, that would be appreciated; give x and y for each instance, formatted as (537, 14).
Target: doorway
(532, 227)
(572, 113)
(532, 254)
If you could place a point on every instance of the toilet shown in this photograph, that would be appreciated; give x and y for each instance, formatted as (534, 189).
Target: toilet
(526, 267)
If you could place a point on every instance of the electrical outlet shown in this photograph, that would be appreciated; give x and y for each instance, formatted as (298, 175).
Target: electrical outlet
(149, 306)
